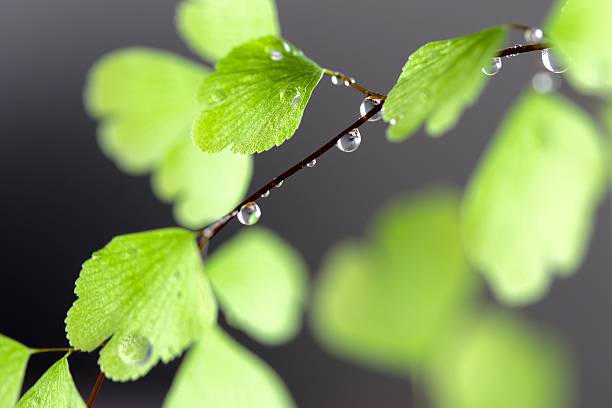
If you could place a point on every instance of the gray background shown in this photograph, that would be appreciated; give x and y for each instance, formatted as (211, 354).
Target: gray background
(62, 199)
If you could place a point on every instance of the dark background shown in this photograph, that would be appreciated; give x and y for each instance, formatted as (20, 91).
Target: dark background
(62, 199)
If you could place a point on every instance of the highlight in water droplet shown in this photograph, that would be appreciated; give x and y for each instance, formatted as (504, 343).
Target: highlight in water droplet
(312, 163)
(266, 194)
(135, 350)
(276, 55)
(286, 46)
(350, 141)
(337, 80)
(280, 184)
(551, 62)
(249, 214)
(393, 122)
(544, 82)
(367, 105)
(493, 68)
(349, 81)
(534, 35)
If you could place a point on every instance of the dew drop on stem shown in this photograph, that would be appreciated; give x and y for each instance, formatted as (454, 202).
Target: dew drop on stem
(493, 67)
(367, 105)
(545, 82)
(551, 62)
(534, 35)
(312, 163)
(350, 141)
(266, 194)
(249, 214)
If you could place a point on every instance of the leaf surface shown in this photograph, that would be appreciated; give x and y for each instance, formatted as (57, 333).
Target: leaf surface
(14, 357)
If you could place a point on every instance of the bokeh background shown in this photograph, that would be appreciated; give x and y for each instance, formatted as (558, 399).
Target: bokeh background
(62, 199)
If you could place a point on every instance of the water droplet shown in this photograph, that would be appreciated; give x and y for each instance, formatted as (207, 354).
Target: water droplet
(312, 163)
(367, 105)
(337, 80)
(551, 62)
(298, 53)
(135, 350)
(393, 122)
(280, 183)
(493, 68)
(349, 81)
(534, 35)
(544, 82)
(286, 46)
(296, 100)
(276, 55)
(266, 194)
(350, 141)
(249, 214)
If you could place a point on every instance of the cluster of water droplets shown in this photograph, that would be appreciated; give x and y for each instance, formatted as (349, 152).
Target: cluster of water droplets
(249, 214)
(532, 36)
(135, 350)
(349, 142)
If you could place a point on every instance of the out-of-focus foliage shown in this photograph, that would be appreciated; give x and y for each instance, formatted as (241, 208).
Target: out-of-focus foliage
(439, 81)
(256, 98)
(581, 30)
(260, 282)
(146, 102)
(54, 389)
(218, 372)
(529, 209)
(13, 360)
(388, 302)
(213, 28)
(498, 360)
(146, 290)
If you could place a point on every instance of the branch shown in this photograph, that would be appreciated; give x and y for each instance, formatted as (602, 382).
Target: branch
(95, 390)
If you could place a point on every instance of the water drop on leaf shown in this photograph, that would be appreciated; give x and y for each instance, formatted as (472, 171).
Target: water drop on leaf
(493, 68)
(295, 102)
(367, 105)
(350, 141)
(276, 55)
(135, 350)
(249, 214)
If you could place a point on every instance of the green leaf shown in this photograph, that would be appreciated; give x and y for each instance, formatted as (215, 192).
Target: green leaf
(13, 360)
(501, 361)
(146, 292)
(260, 282)
(581, 30)
(218, 372)
(146, 100)
(256, 98)
(54, 389)
(439, 81)
(213, 28)
(529, 209)
(204, 186)
(389, 303)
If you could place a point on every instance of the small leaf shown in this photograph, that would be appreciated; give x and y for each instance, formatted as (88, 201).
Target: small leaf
(500, 361)
(388, 304)
(581, 30)
(256, 98)
(13, 360)
(218, 372)
(530, 205)
(438, 82)
(204, 186)
(54, 389)
(213, 28)
(148, 294)
(260, 282)
(146, 100)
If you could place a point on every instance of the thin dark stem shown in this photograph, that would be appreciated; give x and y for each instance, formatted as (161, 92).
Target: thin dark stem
(208, 233)
(55, 350)
(520, 27)
(95, 390)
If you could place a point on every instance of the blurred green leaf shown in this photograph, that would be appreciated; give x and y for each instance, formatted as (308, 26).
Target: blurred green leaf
(13, 361)
(146, 290)
(260, 282)
(146, 102)
(218, 372)
(529, 209)
(581, 29)
(389, 303)
(213, 28)
(439, 81)
(498, 360)
(54, 389)
(204, 186)
(256, 98)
